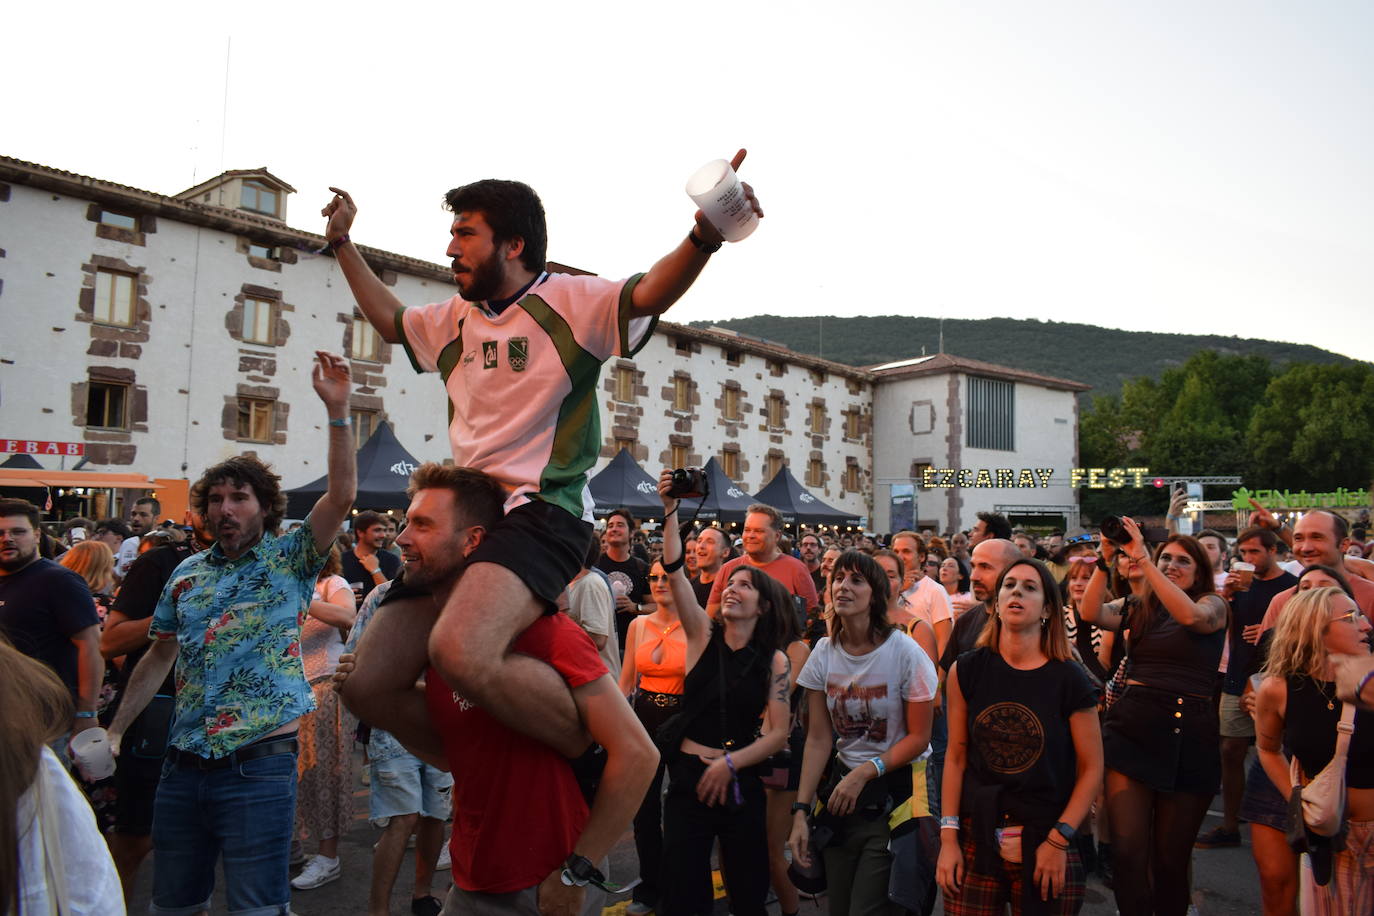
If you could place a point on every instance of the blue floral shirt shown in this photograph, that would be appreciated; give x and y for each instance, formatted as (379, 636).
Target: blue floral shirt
(239, 673)
(381, 745)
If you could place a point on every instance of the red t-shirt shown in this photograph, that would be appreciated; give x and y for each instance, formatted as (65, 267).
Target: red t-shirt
(787, 569)
(517, 808)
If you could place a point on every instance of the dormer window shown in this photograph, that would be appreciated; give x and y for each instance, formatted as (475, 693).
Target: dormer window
(259, 198)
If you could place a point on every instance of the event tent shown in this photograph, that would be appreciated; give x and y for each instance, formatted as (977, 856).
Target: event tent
(384, 469)
(624, 484)
(727, 502)
(798, 506)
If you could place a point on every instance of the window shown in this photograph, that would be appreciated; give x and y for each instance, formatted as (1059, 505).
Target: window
(817, 419)
(114, 298)
(682, 346)
(732, 357)
(258, 326)
(852, 428)
(732, 403)
(255, 420)
(262, 251)
(815, 472)
(851, 478)
(624, 384)
(775, 410)
(105, 405)
(623, 444)
(991, 412)
(774, 466)
(682, 394)
(364, 423)
(367, 344)
(776, 368)
(818, 376)
(679, 456)
(729, 463)
(119, 220)
(259, 198)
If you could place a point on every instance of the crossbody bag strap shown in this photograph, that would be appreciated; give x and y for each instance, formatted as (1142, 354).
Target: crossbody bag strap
(48, 821)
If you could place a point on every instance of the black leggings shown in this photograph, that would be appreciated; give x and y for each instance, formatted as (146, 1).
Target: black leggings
(648, 822)
(1152, 845)
(689, 829)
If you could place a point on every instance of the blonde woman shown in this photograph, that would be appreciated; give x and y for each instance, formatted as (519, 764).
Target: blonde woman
(1297, 709)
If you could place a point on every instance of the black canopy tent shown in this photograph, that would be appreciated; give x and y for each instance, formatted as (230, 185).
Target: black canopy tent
(726, 503)
(623, 483)
(384, 468)
(21, 460)
(798, 506)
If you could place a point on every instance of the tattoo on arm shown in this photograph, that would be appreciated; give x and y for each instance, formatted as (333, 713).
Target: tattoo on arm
(780, 680)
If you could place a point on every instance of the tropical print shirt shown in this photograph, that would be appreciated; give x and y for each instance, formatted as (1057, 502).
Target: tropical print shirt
(239, 673)
(381, 745)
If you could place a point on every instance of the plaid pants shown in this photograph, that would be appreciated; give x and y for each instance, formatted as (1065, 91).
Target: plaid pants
(988, 895)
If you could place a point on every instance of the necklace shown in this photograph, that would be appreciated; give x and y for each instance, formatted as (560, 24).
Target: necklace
(1330, 700)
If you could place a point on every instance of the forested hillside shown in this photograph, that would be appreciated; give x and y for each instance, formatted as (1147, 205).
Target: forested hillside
(1100, 357)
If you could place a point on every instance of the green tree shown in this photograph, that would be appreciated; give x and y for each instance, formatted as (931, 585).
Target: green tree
(1314, 429)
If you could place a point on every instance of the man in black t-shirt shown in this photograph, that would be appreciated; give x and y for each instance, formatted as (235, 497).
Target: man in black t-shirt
(1258, 547)
(629, 575)
(990, 558)
(47, 612)
(369, 562)
(140, 755)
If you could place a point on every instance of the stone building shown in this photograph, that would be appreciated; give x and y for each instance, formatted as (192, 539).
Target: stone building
(168, 332)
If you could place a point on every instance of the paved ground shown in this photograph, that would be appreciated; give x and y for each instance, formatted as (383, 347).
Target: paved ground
(1224, 880)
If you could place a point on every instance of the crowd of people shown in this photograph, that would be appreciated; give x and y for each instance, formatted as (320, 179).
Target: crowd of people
(984, 716)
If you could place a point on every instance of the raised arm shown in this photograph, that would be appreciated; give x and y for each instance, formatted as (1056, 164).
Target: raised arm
(673, 275)
(696, 626)
(378, 303)
(1094, 608)
(1206, 615)
(333, 383)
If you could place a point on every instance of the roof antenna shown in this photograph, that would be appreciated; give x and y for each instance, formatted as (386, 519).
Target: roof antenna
(942, 336)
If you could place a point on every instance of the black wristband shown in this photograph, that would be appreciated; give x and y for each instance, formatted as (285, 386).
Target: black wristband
(674, 565)
(336, 244)
(803, 807)
(700, 245)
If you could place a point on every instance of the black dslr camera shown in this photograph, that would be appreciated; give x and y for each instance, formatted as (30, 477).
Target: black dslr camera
(1114, 531)
(689, 483)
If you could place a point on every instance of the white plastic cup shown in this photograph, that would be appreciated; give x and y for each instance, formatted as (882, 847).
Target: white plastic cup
(618, 589)
(93, 755)
(716, 189)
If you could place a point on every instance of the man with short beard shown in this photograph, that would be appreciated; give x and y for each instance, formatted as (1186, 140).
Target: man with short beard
(1057, 562)
(520, 351)
(540, 846)
(142, 517)
(762, 531)
(369, 562)
(958, 546)
(712, 551)
(922, 597)
(626, 573)
(810, 548)
(990, 558)
(990, 525)
(230, 620)
(1319, 539)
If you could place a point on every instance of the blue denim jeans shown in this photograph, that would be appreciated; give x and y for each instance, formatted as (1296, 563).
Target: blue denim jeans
(244, 812)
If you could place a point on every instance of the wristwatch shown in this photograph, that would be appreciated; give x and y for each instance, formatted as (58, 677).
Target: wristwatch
(1103, 565)
(803, 807)
(579, 872)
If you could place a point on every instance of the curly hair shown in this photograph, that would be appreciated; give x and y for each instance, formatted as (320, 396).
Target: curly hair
(512, 210)
(243, 471)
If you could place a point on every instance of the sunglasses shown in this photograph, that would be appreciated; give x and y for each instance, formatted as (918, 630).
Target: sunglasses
(1080, 539)
(1073, 560)
(662, 578)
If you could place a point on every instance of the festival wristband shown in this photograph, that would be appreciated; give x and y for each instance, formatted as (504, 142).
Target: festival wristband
(879, 765)
(339, 242)
(341, 421)
(949, 822)
(85, 714)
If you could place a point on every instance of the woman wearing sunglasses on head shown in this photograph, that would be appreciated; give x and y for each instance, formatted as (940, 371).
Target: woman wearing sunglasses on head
(654, 667)
(1297, 711)
(1160, 738)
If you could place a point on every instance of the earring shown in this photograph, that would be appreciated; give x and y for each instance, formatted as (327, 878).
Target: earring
(1044, 622)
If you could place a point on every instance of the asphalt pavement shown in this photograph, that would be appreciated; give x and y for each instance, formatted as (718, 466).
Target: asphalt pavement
(1225, 882)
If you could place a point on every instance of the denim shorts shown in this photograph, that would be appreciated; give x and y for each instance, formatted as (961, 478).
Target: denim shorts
(407, 785)
(244, 812)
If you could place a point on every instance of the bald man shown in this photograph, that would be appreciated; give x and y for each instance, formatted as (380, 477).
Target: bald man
(990, 558)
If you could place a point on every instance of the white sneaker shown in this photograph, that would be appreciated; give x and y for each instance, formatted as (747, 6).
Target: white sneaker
(317, 871)
(445, 860)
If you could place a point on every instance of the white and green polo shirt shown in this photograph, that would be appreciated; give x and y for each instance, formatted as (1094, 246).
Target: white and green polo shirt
(522, 384)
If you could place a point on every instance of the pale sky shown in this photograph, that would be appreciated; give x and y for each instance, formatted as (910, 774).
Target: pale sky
(1170, 166)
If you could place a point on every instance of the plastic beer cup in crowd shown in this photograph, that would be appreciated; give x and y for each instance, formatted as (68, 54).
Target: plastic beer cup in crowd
(716, 189)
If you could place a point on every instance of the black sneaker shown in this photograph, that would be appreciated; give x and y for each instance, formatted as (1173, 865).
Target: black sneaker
(1216, 838)
(426, 906)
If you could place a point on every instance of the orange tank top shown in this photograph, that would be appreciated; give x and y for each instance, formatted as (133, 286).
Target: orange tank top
(667, 674)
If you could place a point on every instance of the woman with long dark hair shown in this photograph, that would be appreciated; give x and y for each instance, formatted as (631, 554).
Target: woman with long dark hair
(954, 576)
(737, 675)
(1160, 737)
(1297, 712)
(1024, 758)
(870, 689)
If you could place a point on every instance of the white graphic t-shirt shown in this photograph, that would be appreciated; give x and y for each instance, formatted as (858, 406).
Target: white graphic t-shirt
(865, 692)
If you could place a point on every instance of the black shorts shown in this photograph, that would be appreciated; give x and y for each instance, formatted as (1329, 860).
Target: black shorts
(135, 782)
(542, 544)
(1166, 740)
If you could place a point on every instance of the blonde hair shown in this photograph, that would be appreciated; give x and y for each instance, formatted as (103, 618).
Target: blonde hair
(92, 561)
(1299, 645)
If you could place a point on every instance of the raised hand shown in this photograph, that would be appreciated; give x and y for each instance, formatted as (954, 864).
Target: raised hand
(333, 380)
(710, 234)
(339, 212)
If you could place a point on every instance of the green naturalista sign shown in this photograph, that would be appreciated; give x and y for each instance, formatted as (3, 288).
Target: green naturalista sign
(1300, 499)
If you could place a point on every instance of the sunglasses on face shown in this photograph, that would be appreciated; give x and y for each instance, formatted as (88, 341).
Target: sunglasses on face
(1089, 559)
(662, 578)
